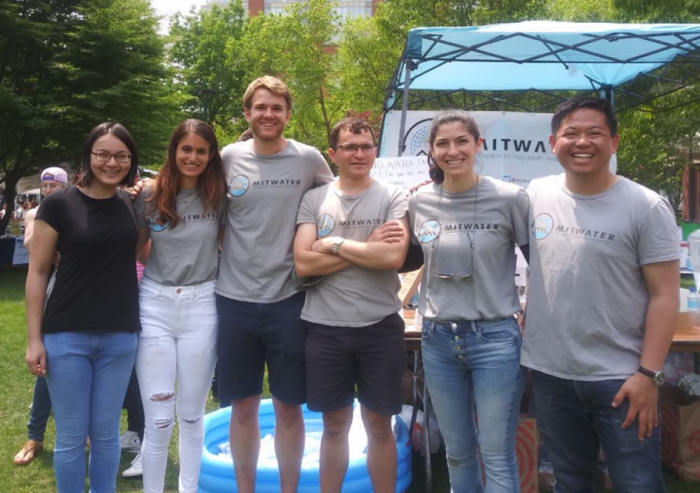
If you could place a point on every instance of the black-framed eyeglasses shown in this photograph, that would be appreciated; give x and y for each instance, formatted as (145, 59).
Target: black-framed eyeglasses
(103, 157)
(352, 148)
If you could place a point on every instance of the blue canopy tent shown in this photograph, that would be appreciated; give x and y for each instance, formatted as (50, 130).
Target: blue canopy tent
(494, 67)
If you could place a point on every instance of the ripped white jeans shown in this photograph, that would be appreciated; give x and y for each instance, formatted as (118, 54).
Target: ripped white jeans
(177, 342)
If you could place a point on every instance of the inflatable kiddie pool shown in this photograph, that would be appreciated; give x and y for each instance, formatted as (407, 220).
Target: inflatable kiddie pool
(217, 474)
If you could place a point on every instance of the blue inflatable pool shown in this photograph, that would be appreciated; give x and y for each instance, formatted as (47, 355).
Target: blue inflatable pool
(217, 475)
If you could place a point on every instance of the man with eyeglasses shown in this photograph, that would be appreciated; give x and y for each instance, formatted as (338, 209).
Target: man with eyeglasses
(355, 335)
(257, 299)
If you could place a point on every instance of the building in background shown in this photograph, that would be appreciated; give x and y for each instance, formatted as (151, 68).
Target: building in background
(346, 8)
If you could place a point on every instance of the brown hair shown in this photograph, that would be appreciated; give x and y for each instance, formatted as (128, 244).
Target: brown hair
(272, 84)
(353, 125)
(211, 184)
(443, 118)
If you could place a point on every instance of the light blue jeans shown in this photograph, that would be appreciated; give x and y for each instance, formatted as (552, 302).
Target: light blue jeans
(468, 364)
(87, 374)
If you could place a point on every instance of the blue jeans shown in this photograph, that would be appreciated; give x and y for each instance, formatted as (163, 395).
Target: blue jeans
(40, 411)
(575, 418)
(476, 363)
(87, 375)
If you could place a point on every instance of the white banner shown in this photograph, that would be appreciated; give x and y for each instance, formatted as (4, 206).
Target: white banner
(516, 147)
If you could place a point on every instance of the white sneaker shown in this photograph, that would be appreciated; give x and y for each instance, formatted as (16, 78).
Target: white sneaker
(136, 468)
(130, 442)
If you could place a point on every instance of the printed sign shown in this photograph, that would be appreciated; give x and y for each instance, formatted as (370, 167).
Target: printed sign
(516, 146)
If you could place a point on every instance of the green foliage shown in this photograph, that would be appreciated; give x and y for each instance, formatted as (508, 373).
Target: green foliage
(66, 66)
(204, 51)
(298, 50)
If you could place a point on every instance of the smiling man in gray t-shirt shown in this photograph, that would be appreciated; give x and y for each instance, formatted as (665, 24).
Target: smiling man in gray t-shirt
(258, 305)
(602, 307)
(355, 333)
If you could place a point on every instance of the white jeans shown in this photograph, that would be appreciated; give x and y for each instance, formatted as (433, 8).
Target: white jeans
(178, 342)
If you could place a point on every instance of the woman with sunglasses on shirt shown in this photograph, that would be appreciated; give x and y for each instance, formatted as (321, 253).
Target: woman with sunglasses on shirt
(181, 212)
(468, 226)
(85, 341)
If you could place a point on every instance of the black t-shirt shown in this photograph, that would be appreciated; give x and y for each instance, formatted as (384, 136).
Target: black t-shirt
(96, 287)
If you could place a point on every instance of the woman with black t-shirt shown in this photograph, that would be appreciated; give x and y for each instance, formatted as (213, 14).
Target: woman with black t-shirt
(85, 343)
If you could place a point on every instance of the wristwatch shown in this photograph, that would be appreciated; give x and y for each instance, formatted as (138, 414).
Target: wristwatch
(337, 241)
(658, 377)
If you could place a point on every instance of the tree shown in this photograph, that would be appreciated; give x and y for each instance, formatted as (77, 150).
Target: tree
(204, 51)
(66, 66)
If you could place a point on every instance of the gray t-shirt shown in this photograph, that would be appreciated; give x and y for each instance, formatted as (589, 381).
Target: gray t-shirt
(188, 254)
(587, 298)
(263, 199)
(468, 242)
(355, 296)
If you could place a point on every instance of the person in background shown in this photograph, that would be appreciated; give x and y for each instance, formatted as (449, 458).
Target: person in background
(602, 306)
(468, 226)
(85, 341)
(52, 180)
(181, 212)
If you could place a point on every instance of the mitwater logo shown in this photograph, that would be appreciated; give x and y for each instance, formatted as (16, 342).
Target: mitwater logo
(542, 226)
(428, 231)
(239, 185)
(325, 225)
(157, 228)
(417, 138)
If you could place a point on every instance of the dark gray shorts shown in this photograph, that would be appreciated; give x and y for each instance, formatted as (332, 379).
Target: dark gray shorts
(373, 357)
(251, 334)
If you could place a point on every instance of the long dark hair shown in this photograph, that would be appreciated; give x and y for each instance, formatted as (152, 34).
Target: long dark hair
(211, 184)
(443, 118)
(119, 131)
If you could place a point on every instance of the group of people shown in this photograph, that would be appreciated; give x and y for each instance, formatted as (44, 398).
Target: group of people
(257, 256)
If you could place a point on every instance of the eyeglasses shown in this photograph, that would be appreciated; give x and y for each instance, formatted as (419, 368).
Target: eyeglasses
(103, 157)
(352, 148)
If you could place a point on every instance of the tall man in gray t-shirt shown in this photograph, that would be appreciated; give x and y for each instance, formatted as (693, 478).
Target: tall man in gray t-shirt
(602, 307)
(258, 304)
(355, 333)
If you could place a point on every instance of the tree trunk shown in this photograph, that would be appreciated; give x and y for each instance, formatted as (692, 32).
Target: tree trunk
(11, 179)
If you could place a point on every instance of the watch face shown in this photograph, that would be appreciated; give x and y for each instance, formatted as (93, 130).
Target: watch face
(659, 378)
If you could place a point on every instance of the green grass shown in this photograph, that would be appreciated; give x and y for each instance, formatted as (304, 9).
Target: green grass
(16, 393)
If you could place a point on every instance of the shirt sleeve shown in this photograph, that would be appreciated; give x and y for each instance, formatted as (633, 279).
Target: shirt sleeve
(323, 171)
(658, 238)
(399, 203)
(307, 212)
(519, 218)
(140, 207)
(53, 210)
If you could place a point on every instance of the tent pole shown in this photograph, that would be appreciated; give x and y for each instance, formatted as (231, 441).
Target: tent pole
(404, 106)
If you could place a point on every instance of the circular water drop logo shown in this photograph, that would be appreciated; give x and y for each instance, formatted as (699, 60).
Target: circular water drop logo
(239, 185)
(325, 225)
(429, 231)
(542, 226)
(157, 228)
(417, 138)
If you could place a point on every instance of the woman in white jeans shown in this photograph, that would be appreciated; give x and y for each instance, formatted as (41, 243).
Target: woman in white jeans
(181, 213)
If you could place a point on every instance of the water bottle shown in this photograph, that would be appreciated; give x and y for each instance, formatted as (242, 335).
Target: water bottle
(693, 302)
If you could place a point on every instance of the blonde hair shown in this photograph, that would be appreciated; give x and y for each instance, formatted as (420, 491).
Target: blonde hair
(272, 84)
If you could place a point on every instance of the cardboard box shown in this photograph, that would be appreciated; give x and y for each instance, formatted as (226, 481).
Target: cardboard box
(680, 440)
